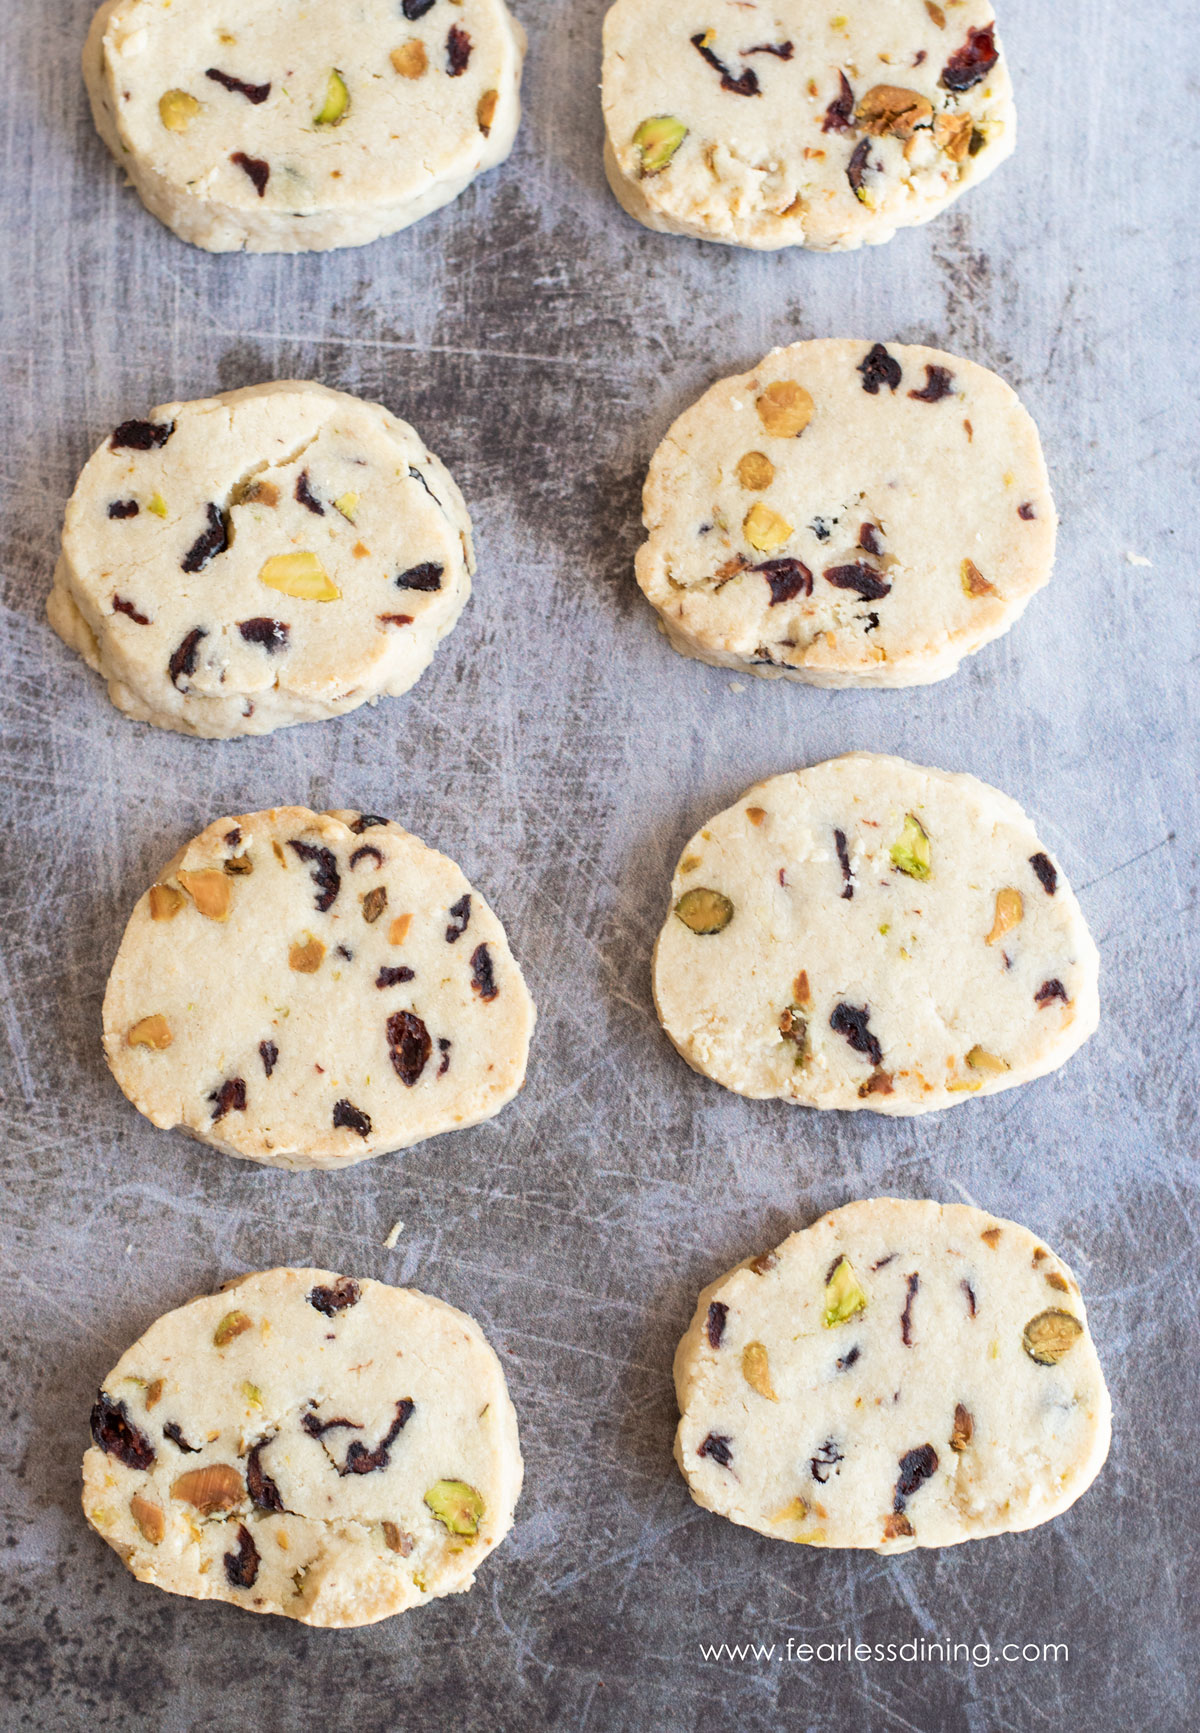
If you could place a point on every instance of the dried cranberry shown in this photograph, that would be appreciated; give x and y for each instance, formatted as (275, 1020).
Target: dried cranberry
(460, 917)
(458, 51)
(916, 1466)
(427, 576)
(827, 1457)
(141, 435)
(419, 475)
(345, 1292)
(414, 9)
(185, 656)
(716, 1446)
(939, 382)
(781, 50)
(264, 1494)
(852, 1021)
(229, 1098)
(1026, 511)
(213, 541)
(117, 1435)
(787, 578)
(1044, 867)
(269, 1054)
(409, 1044)
(318, 1428)
(393, 977)
(879, 368)
(718, 1311)
(1049, 991)
(306, 496)
(174, 1432)
(351, 1118)
(271, 634)
(325, 873)
(868, 540)
(394, 619)
(241, 1567)
(444, 1050)
(914, 1283)
(864, 580)
(856, 168)
(839, 841)
(847, 1360)
(969, 1291)
(121, 606)
(123, 508)
(360, 1460)
(258, 170)
(254, 93)
(839, 116)
(483, 978)
(366, 821)
(745, 85)
(368, 848)
(973, 61)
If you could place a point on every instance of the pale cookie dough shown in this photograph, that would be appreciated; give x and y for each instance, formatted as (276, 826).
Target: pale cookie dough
(303, 1443)
(871, 934)
(287, 126)
(273, 555)
(897, 1375)
(799, 123)
(309, 989)
(848, 514)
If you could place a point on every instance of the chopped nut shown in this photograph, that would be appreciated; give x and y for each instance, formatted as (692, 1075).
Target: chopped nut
(1010, 911)
(232, 1325)
(888, 108)
(844, 1294)
(336, 105)
(210, 891)
(157, 505)
(398, 929)
(878, 1083)
(756, 1371)
(936, 13)
(896, 1526)
(764, 529)
(973, 581)
(152, 1032)
(456, 1506)
(704, 911)
(165, 902)
(485, 111)
(755, 471)
(396, 1540)
(347, 504)
(952, 134)
(217, 1487)
(756, 815)
(306, 956)
(658, 139)
(154, 1393)
(796, 1511)
(177, 110)
(793, 1026)
(373, 903)
(964, 1428)
(1058, 1282)
(980, 1060)
(991, 1237)
(411, 60)
(763, 1262)
(1050, 1335)
(150, 1518)
(785, 409)
(301, 575)
(912, 855)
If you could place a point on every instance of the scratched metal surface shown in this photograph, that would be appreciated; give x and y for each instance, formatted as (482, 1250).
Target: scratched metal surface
(562, 754)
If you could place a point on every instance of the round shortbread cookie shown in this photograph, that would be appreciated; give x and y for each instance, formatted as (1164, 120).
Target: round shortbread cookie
(302, 1443)
(798, 125)
(273, 555)
(847, 515)
(897, 1375)
(310, 989)
(871, 934)
(280, 126)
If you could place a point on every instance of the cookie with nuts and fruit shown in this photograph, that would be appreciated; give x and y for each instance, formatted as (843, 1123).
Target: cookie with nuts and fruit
(309, 989)
(274, 555)
(897, 1375)
(847, 514)
(872, 934)
(303, 1443)
(795, 125)
(282, 127)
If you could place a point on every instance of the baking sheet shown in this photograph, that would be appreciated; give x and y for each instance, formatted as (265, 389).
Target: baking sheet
(562, 754)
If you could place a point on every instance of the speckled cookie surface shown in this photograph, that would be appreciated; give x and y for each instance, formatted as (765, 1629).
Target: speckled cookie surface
(847, 514)
(303, 1443)
(292, 126)
(274, 555)
(310, 989)
(871, 934)
(797, 123)
(897, 1375)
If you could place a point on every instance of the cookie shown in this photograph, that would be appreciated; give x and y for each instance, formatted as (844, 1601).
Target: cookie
(871, 934)
(798, 125)
(268, 556)
(282, 127)
(848, 514)
(897, 1375)
(307, 1444)
(309, 989)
